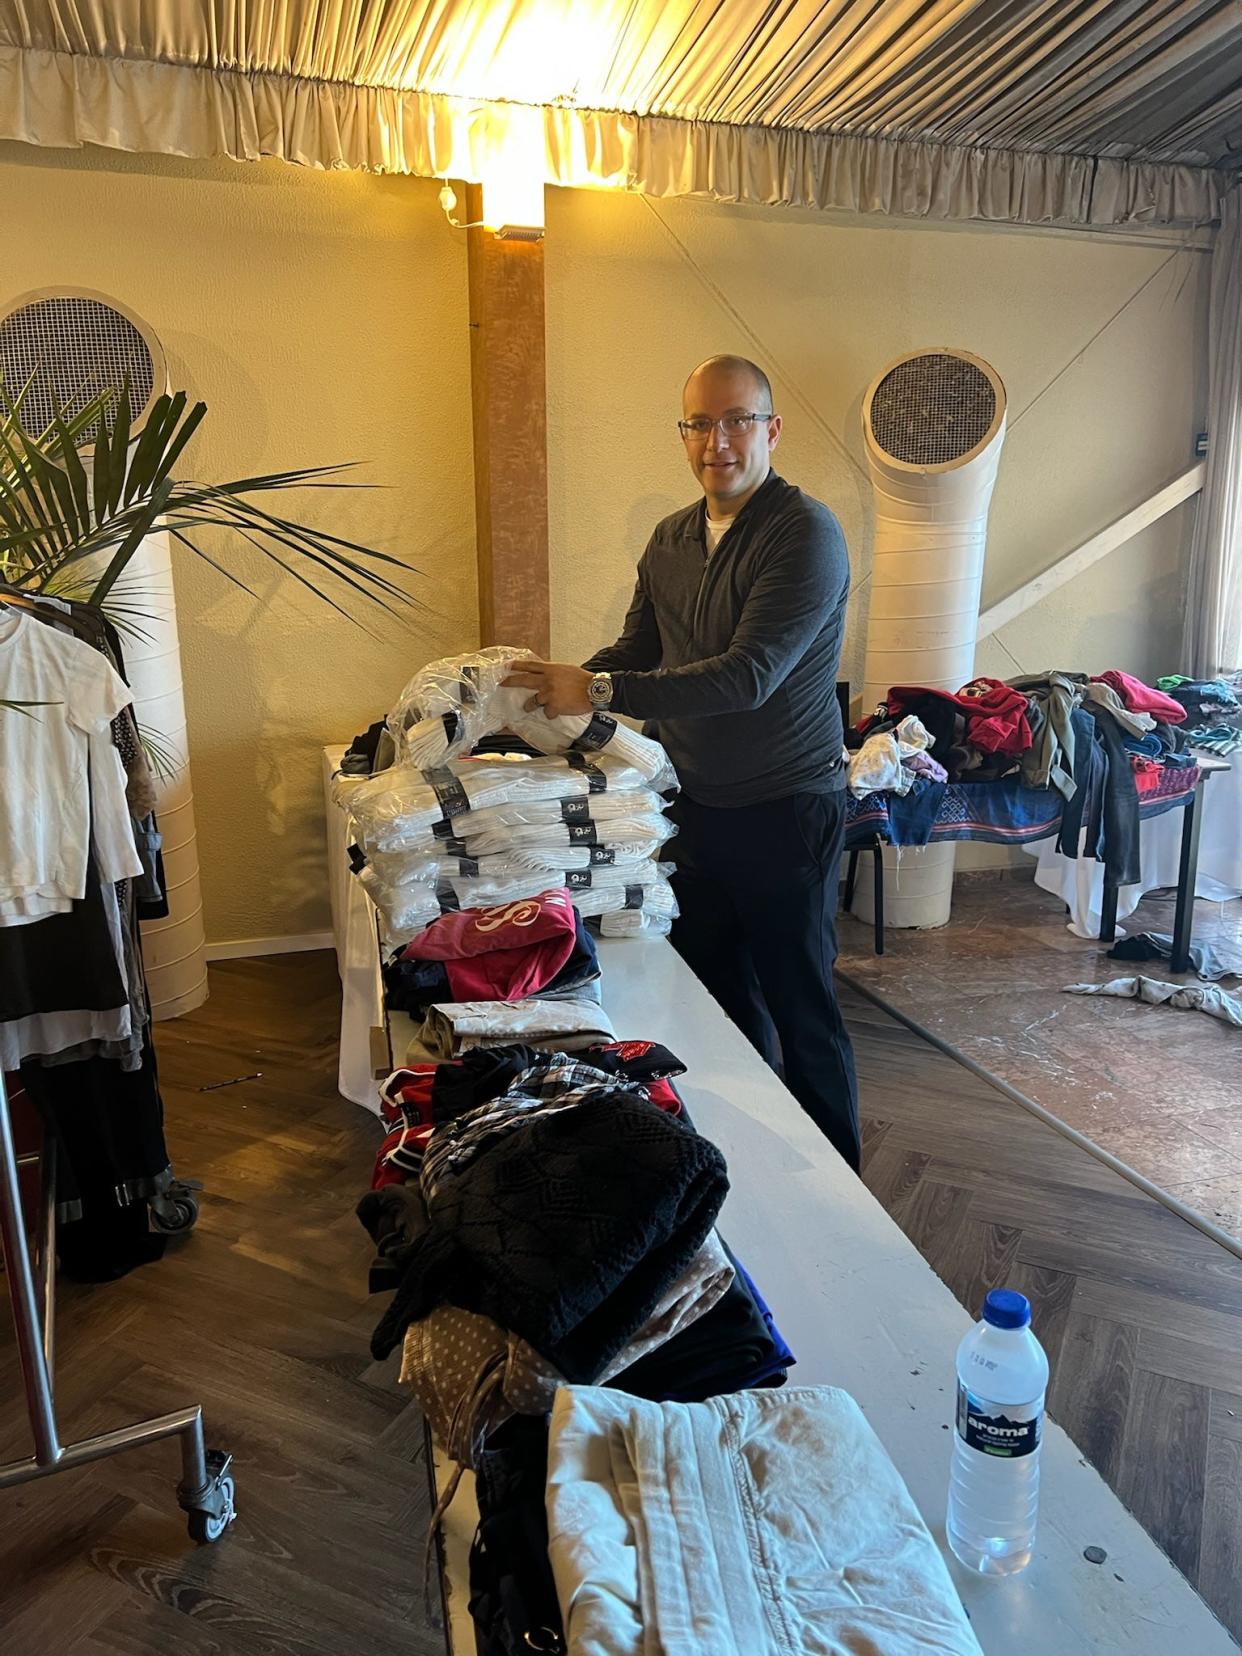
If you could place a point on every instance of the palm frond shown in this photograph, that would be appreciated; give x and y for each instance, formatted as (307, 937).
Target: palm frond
(58, 526)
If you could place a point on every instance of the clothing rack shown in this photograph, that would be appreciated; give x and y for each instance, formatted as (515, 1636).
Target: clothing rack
(205, 1492)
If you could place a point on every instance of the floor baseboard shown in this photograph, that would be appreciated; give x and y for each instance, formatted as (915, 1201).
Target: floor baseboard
(244, 948)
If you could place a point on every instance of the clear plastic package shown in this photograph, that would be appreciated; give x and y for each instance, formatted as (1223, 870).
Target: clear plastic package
(452, 704)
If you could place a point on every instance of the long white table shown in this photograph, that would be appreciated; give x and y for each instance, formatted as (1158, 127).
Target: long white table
(862, 1310)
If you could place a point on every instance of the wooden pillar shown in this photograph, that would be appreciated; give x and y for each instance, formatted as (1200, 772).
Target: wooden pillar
(509, 396)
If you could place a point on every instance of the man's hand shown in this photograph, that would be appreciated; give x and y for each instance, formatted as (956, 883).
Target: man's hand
(558, 688)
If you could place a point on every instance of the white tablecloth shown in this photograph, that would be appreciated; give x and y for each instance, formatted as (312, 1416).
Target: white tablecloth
(357, 956)
(1080, 883)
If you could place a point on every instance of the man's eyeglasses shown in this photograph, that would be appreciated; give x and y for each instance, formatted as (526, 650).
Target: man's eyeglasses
(732, 425)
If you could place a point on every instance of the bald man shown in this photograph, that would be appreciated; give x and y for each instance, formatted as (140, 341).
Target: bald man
(730, 651)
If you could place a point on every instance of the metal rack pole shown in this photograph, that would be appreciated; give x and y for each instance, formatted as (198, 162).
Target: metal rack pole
(206, 1488)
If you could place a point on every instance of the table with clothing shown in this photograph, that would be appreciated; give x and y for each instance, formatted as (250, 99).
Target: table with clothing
(1082, 762)
(544, 1215)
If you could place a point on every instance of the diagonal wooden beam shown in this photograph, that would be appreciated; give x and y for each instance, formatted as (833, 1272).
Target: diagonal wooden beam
(509, 396)
(1091, 551)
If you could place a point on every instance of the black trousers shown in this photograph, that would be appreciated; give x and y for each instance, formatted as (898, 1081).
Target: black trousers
(757, 889)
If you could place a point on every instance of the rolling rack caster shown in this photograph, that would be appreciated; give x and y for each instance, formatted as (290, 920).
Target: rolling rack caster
(175, 1210)
(206, 1492)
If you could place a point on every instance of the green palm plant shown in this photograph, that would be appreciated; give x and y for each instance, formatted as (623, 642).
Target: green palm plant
(67, 531)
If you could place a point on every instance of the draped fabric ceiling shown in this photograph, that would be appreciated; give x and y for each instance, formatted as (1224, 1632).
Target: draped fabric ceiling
(1081, 112)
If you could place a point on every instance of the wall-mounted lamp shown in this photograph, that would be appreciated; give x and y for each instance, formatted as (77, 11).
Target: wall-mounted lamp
(512, 175)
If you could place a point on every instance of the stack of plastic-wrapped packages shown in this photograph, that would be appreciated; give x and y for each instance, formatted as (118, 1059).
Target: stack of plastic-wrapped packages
(439, 830)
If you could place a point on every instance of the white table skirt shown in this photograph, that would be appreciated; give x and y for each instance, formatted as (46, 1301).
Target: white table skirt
(1080, 882)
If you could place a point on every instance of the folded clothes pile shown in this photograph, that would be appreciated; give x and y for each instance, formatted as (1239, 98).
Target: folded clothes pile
(450, 705)
(757, 1524)
(495, 829)
(1212, 709)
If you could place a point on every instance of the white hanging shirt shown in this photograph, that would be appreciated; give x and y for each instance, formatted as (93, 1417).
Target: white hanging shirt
(45, 781)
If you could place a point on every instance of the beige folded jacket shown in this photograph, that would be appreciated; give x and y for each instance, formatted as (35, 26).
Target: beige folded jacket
(765, 1523)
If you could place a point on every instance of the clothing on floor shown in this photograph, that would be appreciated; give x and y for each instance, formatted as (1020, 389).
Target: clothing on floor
(1190, 997)
(705, 1528)
(757, 889)
(735, 657)
(1204, 960)
(568, 1232)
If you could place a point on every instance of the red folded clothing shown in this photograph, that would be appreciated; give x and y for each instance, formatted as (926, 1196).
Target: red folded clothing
(1142, 698)
(501, 953)
(995, 714)
(405, 1098)
(400, 1156)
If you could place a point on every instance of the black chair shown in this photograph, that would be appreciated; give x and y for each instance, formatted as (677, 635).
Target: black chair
(875, 847)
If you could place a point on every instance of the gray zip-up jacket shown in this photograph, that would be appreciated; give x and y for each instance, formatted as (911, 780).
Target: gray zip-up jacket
(734, 658)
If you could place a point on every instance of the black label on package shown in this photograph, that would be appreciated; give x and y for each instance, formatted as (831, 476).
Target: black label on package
(583, 833)
(357, 862)
(597, 734)
(1003, 1431)
(597, 782)
(633, 897)
(468, 867)
(452, 727)
(447, 899)
(453, 846)
(578, 879)
(602, 856)
(448, 790)
(468, 694)
(575, 810)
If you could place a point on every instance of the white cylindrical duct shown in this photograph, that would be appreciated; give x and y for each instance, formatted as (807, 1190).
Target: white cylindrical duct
(933, 426)
(174, 949)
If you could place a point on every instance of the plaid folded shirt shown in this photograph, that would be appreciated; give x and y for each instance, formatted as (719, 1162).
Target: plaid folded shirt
(558, 1085)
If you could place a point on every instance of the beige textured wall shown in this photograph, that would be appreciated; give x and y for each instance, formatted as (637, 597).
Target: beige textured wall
(639, 291)
(322, 317)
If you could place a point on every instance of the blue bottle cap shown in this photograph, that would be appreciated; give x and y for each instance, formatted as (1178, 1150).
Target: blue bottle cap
(1004, 1308)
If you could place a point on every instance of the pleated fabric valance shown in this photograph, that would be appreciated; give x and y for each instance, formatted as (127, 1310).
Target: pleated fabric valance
(990, 110)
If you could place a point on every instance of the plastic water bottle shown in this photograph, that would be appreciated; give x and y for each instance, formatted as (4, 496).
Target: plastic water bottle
(1002, 1376)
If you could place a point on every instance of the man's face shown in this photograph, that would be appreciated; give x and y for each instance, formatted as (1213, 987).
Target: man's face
(728, 467)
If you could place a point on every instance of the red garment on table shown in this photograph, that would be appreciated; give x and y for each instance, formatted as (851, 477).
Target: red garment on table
(400, 1156)
(1142, 698)
(405, 1098)
(501, 953)
(995, 713)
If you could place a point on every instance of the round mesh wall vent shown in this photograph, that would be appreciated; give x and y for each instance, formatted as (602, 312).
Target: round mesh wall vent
(76, 344)
(932, 409)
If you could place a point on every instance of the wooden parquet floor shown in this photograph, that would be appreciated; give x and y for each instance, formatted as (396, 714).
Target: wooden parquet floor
(1140, 1313)
(262, 1316)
